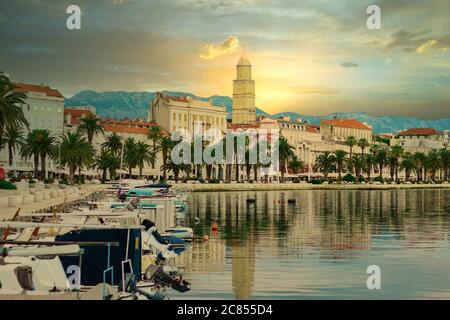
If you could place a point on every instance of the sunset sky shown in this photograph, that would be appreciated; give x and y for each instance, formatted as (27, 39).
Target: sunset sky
(309, 56)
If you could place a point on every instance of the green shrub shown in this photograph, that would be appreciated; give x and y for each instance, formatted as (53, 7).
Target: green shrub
(316, 181)
(361, 179)
(64, 180)
(14, 179)
(49, 181)
(378, 179)
(349, 178)
(31, 181)
(7, 185)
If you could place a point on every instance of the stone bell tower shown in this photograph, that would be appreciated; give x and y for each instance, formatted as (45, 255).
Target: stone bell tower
(244, 109)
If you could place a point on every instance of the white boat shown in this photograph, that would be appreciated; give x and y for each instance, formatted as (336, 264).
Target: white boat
(180, 232)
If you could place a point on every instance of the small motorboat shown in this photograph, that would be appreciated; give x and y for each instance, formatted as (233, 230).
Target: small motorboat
(180, 232)
(292, 201)
(251, 200)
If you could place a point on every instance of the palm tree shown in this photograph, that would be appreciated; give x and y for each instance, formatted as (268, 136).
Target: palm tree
(46, 144)
(351, 142)
(358, 163)
(420, 158)
(445, 160)
(129, 155)
(165, 144)
(30, 148)
(113, 143)
(75, 152)
(285, 152)
(370, 163)
(90, 125)
(11, 113)
(144, 155)
(154, 134)
(396, 153)
(391, 161)
(175, 168)
(409, 164)
(296, 164)
(325, 162)
(433, 163)
(340, 157)
(13, 138)
(381, 158)
(363, 144)
(106, 161)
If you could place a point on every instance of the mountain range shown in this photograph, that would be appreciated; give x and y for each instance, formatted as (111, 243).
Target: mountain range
(121, 104)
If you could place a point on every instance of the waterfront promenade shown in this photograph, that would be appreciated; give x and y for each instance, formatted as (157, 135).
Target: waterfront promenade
(299, 186)
(30, 200)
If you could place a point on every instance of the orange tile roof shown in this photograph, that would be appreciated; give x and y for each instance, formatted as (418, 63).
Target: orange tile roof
(312, 128)
(419, 132)
(23, 87)
(127, 122)
(76, 114)
(346, 123)
(126, 129)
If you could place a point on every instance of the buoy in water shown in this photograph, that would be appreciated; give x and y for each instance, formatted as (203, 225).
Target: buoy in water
(214, 226)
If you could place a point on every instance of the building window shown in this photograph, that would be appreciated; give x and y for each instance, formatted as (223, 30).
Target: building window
(174, 116)
(185, 118)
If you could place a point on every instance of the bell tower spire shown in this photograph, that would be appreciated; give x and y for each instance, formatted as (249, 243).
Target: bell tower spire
(244, 109)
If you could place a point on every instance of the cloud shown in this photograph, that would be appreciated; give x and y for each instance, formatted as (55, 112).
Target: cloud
(210, 51)
(349, 65)
(418, 42)
(427, 46)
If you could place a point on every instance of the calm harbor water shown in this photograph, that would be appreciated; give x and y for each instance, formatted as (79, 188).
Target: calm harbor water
(319, 247)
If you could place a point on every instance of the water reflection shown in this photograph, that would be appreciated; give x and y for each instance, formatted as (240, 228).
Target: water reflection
(321, 245)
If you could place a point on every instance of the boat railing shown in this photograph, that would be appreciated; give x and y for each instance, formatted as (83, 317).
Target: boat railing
(105, 272)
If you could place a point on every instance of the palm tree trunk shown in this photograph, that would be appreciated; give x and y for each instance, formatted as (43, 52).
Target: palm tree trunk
(43, 158)
(164, 166)
(103, 175)
(255, 172)
(10, 155)
(36, 165)
(140, 170)
(72, 169)
(90, 137)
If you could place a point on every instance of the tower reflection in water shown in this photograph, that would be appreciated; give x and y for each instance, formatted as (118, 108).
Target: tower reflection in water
(270, 248)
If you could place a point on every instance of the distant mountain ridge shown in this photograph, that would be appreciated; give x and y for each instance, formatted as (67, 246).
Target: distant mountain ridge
(121, 104)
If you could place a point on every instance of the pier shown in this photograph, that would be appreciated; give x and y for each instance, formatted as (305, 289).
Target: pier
(41, 197)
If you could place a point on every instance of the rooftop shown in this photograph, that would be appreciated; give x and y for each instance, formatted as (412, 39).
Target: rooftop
(419, 132)
(243, 61)
(24, 87)
(346, 123)
(76, 114)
